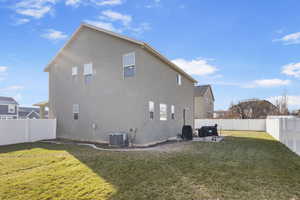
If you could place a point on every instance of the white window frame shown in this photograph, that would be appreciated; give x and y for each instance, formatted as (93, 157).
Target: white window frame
(163, 112)
(88, 69)
(11, 106)
(127, 63)
(172, 111)
(75, 110)
(74, 71)
(151, 109)
(179, 79)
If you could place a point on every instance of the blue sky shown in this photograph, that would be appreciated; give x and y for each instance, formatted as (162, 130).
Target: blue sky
(245, 49)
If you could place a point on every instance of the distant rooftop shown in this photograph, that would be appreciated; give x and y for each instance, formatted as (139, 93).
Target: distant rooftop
(200, 90)
(7, 100)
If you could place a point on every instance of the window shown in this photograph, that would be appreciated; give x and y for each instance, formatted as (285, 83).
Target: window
(74, 71)
(75, 111)
(172, 112)
(11, 108)
(88, 69)
(151, 109)
(129, 65)
(163, 112)
(179, 82)
(88, 72)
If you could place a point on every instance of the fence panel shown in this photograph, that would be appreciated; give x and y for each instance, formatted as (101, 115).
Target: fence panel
(233, 124)
(287, 131)
(26, 130)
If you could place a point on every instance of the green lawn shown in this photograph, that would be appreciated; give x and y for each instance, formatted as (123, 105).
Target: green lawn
(247, 165)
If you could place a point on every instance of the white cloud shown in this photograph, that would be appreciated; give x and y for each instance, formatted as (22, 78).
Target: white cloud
(197, 66)
(73, 3)
(22, 21)
(140, 28)
(39, 8)
(104, 25)
(36, 13)
(122, 22)
(293, 101)
(116, 16)
(293, 38)
(35, 8)
(11, 88)
(55, 35)
(268, 83)
(3, 69)
(110, 2)
(292, 69)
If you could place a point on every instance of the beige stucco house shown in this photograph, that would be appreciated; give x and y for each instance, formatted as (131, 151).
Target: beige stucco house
(204, 102)
(101, 82)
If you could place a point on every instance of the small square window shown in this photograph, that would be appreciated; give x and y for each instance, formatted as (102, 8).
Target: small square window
(163, 112)
(88, 69)
(74, 71)
(75, 111)
(11, 108)
(151, 109)
(179, 81)
(172, 112)
(129, 68)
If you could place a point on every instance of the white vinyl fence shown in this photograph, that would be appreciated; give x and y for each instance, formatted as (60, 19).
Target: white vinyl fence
(233, 124)
(26, 130)
(287, 131)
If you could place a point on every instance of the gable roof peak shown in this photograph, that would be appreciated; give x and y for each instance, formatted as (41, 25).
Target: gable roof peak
(142, 44)
(200, 90)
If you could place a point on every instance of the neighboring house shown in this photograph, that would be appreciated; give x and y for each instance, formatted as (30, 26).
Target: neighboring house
(102, 83)
(204, 102)
(8, 108)
(29, 113)
(254, 109)
(220, 114)
(225, 114)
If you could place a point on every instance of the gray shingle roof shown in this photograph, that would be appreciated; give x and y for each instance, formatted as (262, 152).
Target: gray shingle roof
(7, 100)
(200, 90)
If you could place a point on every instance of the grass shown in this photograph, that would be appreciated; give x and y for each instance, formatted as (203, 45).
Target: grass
(247, 165)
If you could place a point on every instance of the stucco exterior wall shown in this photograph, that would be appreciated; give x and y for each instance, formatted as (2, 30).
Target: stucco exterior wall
(111, 102)
(204, 106)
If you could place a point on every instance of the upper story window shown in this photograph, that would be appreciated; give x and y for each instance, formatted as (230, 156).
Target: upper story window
(88, 72)
(163, 112)
(151, 109)
(172, 112)
(179, 81)
(75, 111)
(11, 108)
(74, 71)
(129, 68)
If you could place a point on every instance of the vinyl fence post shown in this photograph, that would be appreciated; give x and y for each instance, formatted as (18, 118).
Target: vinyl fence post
(27, 134)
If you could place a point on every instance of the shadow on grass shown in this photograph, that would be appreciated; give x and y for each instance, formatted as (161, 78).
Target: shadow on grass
(238, 168)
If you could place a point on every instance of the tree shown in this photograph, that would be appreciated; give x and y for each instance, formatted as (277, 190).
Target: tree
(253, 109)
(282, 104)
